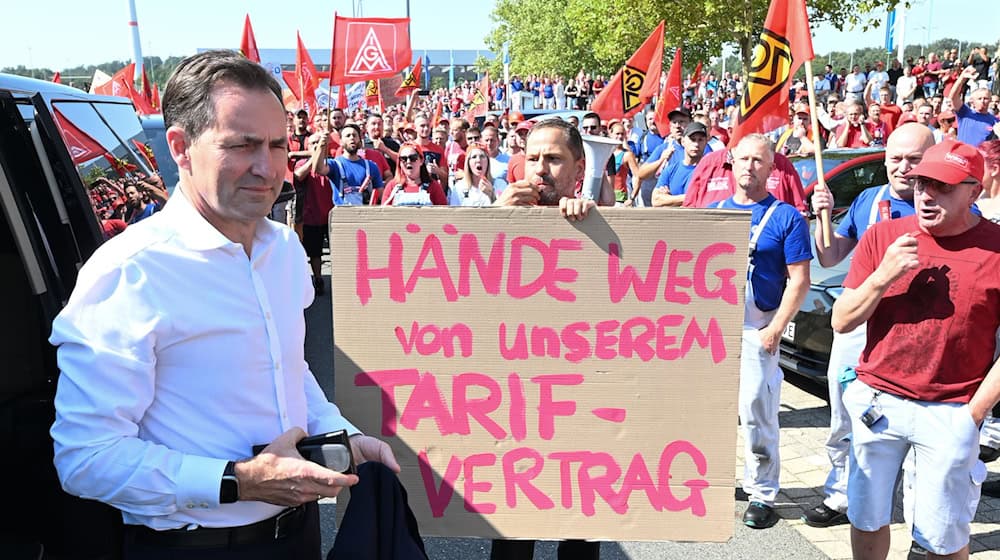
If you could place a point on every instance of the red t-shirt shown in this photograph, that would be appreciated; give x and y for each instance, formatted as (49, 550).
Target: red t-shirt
(890, 115)
(933, 334)
(433, 151)
(854, 139)
(515, 168)
(713, 181)
(319, 198)
(454, 154)
(434, 190)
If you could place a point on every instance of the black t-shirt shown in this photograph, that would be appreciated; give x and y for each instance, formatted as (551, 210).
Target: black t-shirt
(981, 66)
(894, 75)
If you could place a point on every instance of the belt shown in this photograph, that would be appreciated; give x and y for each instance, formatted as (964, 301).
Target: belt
(275, 528)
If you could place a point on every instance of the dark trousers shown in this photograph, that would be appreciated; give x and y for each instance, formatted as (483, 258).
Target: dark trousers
(525, 550)
(304, 543)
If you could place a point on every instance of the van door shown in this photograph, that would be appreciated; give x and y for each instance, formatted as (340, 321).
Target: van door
(38, 256)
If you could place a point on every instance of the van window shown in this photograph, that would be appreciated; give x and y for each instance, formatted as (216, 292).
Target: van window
(119, 162)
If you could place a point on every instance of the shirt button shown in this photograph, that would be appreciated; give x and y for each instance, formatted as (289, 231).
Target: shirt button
(267, 315)
(204, 505)
(190, 506)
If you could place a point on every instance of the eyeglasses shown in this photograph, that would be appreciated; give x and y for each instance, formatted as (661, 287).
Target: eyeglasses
(410, 158)
(590, 127)
(472, 138)
(921, 184)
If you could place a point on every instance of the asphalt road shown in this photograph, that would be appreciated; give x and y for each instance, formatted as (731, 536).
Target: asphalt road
(777, 543)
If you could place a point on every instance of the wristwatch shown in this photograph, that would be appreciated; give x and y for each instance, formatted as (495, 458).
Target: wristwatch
(229, 489)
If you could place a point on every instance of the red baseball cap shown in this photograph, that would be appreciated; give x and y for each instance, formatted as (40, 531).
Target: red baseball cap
(515, 117)
(524, 125)
(950, 162)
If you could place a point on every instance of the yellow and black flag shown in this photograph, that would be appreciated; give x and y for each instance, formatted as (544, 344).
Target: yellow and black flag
(636, 83)
(411, 82)
(373, 94)
(784, 45)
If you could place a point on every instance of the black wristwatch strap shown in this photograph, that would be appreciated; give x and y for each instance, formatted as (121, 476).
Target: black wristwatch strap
(229, 488)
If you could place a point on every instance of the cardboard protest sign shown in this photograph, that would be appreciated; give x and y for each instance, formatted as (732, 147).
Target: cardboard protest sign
(540, 378)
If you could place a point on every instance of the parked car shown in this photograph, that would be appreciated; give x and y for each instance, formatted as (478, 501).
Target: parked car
(56, 142)
(806, 341)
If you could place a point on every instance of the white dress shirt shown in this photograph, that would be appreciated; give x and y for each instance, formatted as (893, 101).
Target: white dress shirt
(178, 353)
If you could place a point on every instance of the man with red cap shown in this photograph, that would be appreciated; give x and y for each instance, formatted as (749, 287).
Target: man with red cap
(515, 166)
(929, 287)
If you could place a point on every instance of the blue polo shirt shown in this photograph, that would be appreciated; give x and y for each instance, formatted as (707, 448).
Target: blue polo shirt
(974, 127)
(784, 241)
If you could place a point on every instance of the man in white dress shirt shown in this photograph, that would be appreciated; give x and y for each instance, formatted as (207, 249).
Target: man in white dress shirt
(182, 346)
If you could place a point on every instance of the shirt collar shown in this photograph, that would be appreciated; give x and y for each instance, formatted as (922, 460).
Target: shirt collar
(198, 234)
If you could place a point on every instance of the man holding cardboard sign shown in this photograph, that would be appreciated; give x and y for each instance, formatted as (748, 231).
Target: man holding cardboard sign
(778, 280)
(554, 163)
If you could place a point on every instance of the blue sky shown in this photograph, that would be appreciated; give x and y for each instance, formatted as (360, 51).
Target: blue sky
(65, 33)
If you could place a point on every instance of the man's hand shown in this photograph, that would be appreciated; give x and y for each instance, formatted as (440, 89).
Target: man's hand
(280, 476)
(769, 339)
(900, 258)
(575, 209)
(519, 193)
(822, 199)
(367, 448)
(969, 73)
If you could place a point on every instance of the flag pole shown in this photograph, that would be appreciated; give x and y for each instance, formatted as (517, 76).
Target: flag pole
(329, 83)
(824, 216)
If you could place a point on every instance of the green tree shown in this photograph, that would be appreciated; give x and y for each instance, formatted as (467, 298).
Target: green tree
(599, 35)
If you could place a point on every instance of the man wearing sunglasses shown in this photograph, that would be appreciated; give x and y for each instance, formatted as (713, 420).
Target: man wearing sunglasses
(928, 286)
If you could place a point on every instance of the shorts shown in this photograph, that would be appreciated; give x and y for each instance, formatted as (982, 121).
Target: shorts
(313, 238)
(947, 471)
(300, 201)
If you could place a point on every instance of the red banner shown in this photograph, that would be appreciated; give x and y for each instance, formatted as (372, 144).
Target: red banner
(636, 83)
(670, 97)
(369, 48)
(411, 82)
(784, 45)
(57, 78)
(248, 43)
(82, 148)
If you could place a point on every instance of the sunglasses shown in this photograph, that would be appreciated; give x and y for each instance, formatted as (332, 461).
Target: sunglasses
(921, 184)
(410, 158)
(472, 138)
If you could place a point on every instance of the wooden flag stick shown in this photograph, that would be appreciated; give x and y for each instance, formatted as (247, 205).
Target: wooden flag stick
(824, 216)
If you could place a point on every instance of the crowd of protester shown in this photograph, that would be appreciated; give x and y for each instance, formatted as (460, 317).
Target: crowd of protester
(122, 201)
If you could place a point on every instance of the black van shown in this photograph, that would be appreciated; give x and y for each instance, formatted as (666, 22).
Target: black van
(56, 145)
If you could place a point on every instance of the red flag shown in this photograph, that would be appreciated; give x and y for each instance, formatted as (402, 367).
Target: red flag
(369, 48)
(342, 97)
(411, 82)
(696, 77)
(784, 45)
(670, 97)
(82, 148)
(480, 103)
(146, 152)
(306, 76)
(373, 94)
(436, 115)
(636, 83)
(156, 97)
(57, 78)
(121, 166)
(248, 43)
(122, 84)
